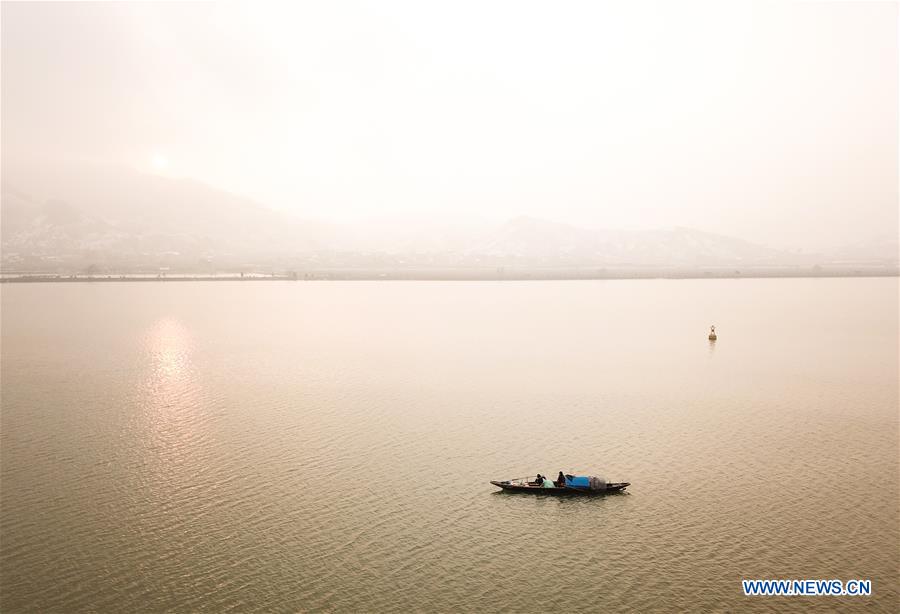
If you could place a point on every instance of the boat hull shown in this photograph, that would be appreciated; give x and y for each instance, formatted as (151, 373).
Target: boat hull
(559, 492)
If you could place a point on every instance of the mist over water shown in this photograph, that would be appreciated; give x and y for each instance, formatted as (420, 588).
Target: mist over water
(309, 446)
(237, 434)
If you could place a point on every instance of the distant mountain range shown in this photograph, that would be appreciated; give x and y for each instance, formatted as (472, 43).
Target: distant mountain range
(532, 240)
(114, 219)
(109, 215)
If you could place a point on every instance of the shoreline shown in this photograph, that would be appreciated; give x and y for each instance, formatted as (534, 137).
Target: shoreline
(451, 275)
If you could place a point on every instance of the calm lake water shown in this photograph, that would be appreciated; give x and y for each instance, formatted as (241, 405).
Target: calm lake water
(291, 446)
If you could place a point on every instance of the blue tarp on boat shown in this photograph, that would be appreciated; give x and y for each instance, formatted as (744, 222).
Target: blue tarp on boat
(579, 481)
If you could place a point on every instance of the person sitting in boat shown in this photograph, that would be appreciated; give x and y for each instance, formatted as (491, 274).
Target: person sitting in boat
(560, 480)
(548, 483)
(539, 481)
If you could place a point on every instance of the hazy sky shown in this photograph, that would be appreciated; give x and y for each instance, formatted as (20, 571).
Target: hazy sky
(772, 122)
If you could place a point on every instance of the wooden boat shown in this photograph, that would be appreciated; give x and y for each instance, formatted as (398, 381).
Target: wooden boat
(525, 485)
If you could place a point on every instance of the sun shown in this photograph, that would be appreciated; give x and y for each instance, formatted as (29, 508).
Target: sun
(159, 162)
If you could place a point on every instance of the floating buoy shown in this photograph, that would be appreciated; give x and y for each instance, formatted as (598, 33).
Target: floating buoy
(712, 333)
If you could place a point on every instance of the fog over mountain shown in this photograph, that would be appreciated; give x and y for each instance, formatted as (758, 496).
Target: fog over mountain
(69, 219)
(419, 128)
(117, 215)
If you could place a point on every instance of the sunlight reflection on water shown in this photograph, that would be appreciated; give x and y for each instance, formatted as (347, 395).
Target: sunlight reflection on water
(184, 453)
